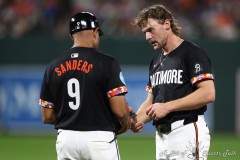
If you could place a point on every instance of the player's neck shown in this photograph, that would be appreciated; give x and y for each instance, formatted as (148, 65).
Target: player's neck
(83, 40)
(82, 44)
(172, 44)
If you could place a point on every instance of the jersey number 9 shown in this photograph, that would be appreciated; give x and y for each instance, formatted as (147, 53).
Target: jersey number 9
(73, 88)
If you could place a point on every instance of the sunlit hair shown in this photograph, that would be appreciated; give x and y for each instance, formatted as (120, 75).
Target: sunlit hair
(159, 13)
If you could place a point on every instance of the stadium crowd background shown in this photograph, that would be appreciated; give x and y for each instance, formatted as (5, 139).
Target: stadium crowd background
(199, 18)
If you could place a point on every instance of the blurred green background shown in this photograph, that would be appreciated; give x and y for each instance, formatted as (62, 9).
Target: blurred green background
(137, 147)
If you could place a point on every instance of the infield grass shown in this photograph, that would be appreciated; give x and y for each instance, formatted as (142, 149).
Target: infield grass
(42, 147)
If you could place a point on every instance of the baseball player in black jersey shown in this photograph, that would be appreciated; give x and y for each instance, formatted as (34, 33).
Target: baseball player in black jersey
(179, 88)
(83, 95)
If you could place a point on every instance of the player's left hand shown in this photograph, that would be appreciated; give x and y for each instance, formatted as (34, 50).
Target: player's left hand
(157, 110)
(124, 126)
(136, 126)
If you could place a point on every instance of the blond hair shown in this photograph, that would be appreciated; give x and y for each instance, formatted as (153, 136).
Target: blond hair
(159, 13)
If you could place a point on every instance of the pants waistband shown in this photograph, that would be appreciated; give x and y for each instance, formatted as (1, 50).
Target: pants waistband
(166, 128)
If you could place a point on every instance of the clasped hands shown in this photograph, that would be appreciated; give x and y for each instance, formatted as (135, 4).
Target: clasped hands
(132, 123)
(153, 112)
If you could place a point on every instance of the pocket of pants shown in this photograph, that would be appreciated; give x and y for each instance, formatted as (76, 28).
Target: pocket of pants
(100, 150)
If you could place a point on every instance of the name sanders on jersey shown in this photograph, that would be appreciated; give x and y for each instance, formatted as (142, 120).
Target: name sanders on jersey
(71, 65)
(166, 77)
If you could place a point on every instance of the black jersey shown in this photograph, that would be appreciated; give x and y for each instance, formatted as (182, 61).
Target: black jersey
(176, 76)
(78, 85)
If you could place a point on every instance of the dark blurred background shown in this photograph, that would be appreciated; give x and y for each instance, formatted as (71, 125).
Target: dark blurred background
(218, 19)
(33, 32)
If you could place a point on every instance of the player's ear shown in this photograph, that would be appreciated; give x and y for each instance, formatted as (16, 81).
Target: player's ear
(95, 33)
(95, 38)
(167, 24)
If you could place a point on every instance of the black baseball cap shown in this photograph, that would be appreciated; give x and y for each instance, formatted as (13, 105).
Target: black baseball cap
(84, 21)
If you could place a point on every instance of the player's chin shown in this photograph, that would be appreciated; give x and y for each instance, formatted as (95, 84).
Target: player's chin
(156, 47)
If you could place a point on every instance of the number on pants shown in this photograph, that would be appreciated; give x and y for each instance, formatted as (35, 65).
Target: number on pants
(73, 88)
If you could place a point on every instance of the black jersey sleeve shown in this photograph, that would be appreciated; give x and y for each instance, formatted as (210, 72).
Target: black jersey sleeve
(116, 85)
(153, 65)
(149, 87)
(199, 66)
(46, 100)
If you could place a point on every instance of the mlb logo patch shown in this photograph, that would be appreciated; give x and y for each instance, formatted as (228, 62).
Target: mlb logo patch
(74, 55)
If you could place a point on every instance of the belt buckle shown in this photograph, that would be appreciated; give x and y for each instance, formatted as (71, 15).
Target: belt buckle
(165, 128)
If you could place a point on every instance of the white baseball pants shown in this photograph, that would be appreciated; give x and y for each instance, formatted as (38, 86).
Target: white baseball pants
(184, 142)
(86, 145)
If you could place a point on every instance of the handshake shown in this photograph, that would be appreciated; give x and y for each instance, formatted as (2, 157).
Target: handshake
(129, 123)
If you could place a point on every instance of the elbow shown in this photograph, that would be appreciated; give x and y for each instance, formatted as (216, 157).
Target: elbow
(48, 116)
(211, 96)
(46, 120)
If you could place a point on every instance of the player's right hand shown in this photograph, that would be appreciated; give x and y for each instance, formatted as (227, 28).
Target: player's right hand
(135, 125)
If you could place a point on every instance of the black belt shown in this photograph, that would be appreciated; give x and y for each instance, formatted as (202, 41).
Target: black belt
(166, 128)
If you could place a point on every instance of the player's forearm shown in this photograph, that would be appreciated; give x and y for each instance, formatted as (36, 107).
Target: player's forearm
(119, 107)
(142, 117)
(141, 113)
(48, 116)
(49, 120)
(124, 123)
(197, 99)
